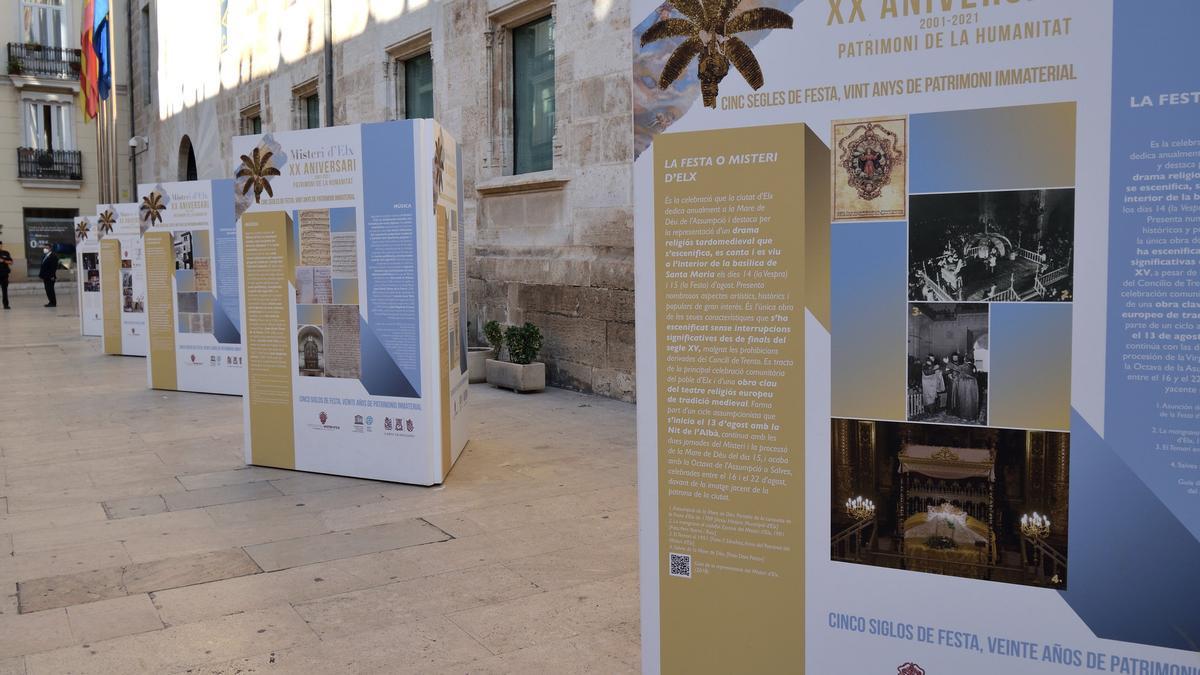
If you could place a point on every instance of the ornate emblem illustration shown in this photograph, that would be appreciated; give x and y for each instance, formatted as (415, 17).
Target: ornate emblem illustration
(151, 210)
(81, 230)
(868, 155)
(870, 168)
(107, 220)
(910, 669)
(256, 172)
(709, 28)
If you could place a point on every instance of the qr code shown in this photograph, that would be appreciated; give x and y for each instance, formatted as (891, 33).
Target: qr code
(681, 565)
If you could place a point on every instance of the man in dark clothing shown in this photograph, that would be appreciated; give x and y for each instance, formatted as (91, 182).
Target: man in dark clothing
(48, 274)
(6, 262)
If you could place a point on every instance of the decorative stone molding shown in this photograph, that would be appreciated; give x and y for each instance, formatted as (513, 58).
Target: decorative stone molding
(541, 181)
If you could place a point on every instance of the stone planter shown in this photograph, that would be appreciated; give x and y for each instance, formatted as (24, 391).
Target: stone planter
(476, 363)
(518, 377)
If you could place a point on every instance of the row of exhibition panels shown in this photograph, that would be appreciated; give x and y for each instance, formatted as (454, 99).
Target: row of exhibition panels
(323, 283)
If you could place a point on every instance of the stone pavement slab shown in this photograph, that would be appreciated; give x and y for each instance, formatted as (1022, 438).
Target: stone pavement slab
(420, 647)
(178, 647)
(413, 600)
(554, 615)
(114, 582)
(22, 634)
(287, 553)
(108, 619)
(214, 496)
(238, 476)
(134, 506)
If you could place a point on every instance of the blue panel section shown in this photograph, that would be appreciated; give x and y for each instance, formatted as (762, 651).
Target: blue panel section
(1014, 148)
(1152, 416)
(224, 329)
(227, 317)
(1132, 567)
(390, 240)
(380, 375)
(869, 319)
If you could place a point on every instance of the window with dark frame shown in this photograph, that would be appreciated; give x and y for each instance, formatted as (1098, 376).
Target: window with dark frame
(533, 96)
(418, 86)
(312, 111)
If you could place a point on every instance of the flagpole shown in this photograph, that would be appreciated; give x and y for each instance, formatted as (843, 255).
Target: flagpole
(114, 164)
(101, 157)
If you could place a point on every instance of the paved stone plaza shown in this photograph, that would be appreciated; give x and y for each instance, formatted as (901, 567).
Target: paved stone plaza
(133, 538)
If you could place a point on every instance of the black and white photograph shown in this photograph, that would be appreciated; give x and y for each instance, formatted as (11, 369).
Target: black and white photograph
(948, 362)
(1015, 246)
(183, 250)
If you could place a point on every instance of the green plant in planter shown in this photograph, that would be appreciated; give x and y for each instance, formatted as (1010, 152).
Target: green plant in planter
(524, 343)
(14, 66)
(494, 334)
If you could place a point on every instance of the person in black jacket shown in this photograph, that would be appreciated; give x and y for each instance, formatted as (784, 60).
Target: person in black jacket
(6, 262)
(48, 274)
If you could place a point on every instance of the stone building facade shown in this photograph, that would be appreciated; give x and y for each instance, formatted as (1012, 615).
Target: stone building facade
(49, 165)
(553, 246)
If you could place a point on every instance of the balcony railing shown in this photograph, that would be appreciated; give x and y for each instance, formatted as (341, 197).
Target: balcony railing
(56, 63)
(36, 164)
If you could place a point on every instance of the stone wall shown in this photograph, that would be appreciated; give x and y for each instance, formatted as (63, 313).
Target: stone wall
(554, 248)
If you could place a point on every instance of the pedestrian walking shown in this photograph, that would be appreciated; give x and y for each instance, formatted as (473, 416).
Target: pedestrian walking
(49, 273)
(6, 262)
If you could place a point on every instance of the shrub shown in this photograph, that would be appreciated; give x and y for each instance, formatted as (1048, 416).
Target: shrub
(495, 337)
(524, 343)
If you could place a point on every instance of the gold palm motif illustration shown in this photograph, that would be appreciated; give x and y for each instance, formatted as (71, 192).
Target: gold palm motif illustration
(257, 170)
(107, 220)
(710, 28)
(152, 208)
(439, 166)
(81, 230)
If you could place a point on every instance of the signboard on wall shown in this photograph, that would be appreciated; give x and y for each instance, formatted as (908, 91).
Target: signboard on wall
(193, 289)
(87, 277)
(122, 279)
(353, 319)
(968, 378)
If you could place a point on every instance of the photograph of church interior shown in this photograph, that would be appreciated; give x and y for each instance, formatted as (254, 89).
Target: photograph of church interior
(948, 362)
(974, 502)
(992, 246)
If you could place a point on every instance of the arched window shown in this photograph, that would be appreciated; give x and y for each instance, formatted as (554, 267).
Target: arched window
(187, 160)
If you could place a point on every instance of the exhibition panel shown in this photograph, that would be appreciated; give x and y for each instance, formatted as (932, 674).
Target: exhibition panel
(87, 277)
(193, 300)
(352, 271)
(122, 279)
(945, 423)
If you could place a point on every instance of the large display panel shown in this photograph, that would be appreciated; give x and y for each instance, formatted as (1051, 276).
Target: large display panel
(122, 279)
(986, 444)
(87, 277)
(352, 271)
(193, 289)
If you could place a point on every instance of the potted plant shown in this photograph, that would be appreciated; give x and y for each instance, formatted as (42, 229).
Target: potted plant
(14, 66)
(521, 372)
(477, 356)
